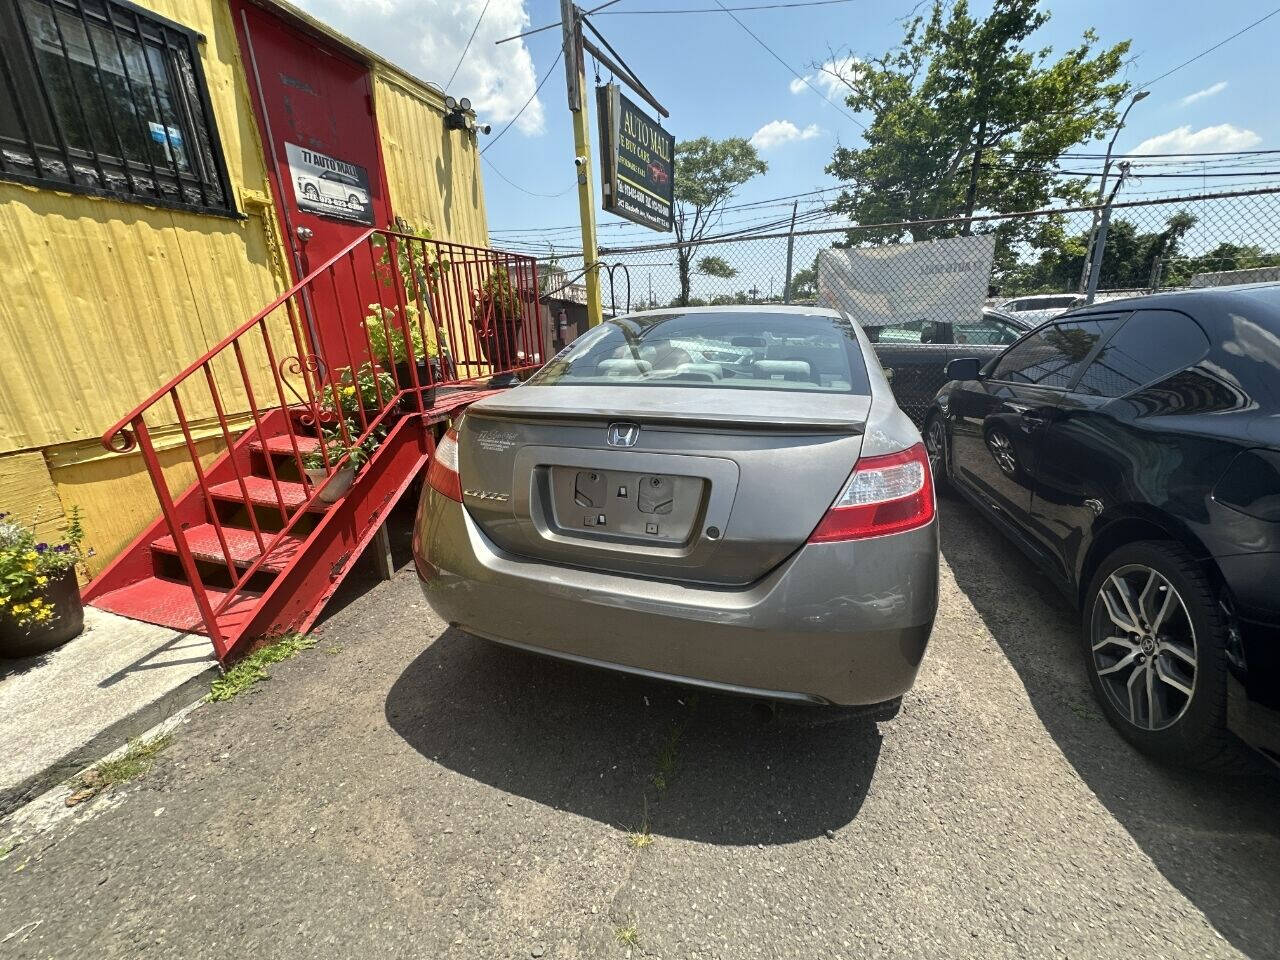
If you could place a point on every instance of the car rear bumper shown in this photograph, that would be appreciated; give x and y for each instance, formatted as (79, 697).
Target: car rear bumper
(843, 623)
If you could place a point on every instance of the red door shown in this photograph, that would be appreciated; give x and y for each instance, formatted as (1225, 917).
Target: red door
(315, 112)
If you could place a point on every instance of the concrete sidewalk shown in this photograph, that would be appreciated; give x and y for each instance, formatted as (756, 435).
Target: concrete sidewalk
(72, 706)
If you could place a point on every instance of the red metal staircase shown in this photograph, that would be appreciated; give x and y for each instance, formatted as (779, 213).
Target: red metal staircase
(252, 547)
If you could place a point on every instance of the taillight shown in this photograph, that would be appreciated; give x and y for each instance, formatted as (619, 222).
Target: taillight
(442, 475)
(886, 494)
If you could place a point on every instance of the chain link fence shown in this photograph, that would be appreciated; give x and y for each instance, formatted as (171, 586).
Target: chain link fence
(1170, 242)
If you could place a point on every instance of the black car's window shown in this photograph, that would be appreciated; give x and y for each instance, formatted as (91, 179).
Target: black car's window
(907, 331)
(1053, 354)
(1151, 345)
(738, 349)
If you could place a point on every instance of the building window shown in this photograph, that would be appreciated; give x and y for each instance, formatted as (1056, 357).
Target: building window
(102, 97)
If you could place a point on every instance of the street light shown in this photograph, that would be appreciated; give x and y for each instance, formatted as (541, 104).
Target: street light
(1102, 186)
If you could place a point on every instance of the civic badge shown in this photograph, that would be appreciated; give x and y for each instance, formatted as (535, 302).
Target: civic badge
(623, 434)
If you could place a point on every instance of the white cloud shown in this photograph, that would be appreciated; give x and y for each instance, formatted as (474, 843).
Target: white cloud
(1224, 136)
(1203, 94)
(827, 77)
(426, 38)
(777, 132)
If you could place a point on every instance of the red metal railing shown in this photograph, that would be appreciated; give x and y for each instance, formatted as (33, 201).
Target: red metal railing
(318, 376)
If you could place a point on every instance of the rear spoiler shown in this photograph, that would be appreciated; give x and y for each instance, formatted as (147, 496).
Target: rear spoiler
(745, 422)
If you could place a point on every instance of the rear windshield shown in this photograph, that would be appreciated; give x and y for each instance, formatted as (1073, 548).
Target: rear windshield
(731, 349)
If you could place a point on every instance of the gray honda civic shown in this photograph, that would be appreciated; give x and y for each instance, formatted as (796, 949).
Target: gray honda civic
(727, 497)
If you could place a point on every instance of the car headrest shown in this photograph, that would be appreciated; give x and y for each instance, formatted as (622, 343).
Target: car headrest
(786, 369)
(624, 367)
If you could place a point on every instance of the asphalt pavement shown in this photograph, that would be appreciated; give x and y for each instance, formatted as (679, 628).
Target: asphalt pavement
(401, 790)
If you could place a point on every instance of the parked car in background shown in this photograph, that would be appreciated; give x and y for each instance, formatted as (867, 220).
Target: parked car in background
(1132, 450)
(1038, 308)
(766, 528)
(914, 353)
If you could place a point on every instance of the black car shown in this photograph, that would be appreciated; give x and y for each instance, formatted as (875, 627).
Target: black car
(1132, 450)
(914, 353)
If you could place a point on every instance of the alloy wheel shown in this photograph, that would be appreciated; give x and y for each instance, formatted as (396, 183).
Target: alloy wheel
(1002, 449)
(1144, 647)
(935, 443)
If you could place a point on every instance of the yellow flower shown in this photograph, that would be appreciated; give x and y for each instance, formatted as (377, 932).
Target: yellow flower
(41, 581)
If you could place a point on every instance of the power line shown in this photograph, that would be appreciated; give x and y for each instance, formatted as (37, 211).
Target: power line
(463, 55)
(1210, 50)
(532, 96)
(546, 196)
(762, 6)
(799, 76)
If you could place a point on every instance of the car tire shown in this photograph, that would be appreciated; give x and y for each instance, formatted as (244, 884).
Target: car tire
(1004, 453)
(935, 444)
(1162, 720)
(310, 192)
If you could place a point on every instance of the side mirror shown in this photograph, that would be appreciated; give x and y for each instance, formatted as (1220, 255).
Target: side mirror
(965, 368)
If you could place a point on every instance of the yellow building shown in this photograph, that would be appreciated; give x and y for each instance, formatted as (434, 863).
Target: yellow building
(167, 169)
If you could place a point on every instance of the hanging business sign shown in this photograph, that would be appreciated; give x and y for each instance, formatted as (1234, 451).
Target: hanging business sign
(328, 186)
(637, 159)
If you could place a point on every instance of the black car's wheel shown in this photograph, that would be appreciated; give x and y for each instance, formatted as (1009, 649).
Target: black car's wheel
(935, 444)
(310, 192)
(1154, 647)
(1004, 453)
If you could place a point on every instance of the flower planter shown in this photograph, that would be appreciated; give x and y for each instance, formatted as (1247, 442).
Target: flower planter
(67, 622)
(333, 490)
(427, 373)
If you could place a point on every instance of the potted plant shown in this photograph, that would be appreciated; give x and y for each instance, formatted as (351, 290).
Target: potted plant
(334, 486)
(387, 340)
(498, 319)
(40, 604)
(367, 389)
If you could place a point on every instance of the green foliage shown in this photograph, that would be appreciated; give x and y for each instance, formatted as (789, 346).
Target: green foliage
(26, 566)
(253, 668)
(354, 391)
(337, 448)
(804, 283)
(498, 292)
(708, 172)
(386, 334)
(131, 764)
(955, 85)
(419, 268)
(716, 267)
(1128, 263)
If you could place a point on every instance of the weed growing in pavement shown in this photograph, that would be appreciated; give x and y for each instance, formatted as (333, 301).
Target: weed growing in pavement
(131, 764)
(253, 668)
(638, 841)
(628, 936)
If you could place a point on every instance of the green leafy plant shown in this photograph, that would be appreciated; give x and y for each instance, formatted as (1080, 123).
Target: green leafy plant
(386, 334)
(27, 566)
(354, 391)
(498, 293)
(253, 668)
(419, 268)
(336, 447)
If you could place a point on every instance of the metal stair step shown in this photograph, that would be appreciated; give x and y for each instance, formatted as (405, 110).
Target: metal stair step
(280, 444)
(263, 493)
(170, 603)
(241, 544)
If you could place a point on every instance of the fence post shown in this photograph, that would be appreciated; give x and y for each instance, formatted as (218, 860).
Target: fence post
(791, 243)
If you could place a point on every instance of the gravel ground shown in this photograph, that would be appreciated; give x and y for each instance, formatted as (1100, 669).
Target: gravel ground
(404, 791)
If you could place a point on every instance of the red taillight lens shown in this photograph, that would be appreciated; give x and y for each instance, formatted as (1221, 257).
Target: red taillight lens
(442, 475)
(887, 494)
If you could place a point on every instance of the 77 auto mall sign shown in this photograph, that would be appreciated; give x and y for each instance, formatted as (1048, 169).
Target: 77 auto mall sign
(637, 158)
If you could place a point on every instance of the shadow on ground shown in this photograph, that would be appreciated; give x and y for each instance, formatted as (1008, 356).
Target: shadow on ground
(618, 749)
(1217, 840)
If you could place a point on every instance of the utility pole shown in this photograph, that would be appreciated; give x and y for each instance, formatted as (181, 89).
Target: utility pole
(971, 197)
(1102, 190)
(791, 243)
(575, 72)
(1100, 245)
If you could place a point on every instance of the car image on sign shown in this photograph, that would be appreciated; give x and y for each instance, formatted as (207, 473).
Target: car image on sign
(334, 188)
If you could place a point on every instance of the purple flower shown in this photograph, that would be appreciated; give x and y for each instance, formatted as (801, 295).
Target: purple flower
(3, 515)
(41, 547)
(62, 548)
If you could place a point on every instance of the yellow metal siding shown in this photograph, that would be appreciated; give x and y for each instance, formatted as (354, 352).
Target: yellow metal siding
(433, 174)
(28, 495)
(102, 301)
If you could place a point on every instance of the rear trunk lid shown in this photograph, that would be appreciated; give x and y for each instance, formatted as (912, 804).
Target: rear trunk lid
(701, 485)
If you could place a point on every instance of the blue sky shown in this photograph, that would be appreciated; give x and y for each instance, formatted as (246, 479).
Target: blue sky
(717, 81)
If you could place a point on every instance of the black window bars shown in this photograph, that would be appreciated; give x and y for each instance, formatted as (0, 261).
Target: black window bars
(102, 97)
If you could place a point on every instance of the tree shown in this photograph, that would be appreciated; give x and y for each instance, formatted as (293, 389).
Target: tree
(1128, 263)
(707, 174)
(960, 99)
(716, 267)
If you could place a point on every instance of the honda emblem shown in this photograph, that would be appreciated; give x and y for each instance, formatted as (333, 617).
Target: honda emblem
(623, 434)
